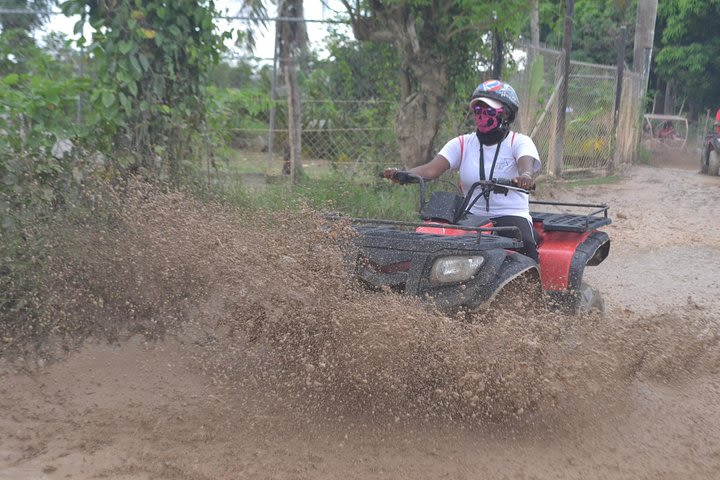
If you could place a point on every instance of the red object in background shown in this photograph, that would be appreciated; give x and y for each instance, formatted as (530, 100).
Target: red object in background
(717, 122)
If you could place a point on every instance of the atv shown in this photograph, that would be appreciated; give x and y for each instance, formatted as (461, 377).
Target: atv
(462, 262)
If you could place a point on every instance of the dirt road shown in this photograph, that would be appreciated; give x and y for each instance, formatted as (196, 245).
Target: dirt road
(354, 392)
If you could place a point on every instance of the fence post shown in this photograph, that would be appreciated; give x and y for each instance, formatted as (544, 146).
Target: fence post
(273, 99)
(618, 95)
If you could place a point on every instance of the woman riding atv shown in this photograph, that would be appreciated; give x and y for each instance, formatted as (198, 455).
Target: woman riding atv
(492, 151)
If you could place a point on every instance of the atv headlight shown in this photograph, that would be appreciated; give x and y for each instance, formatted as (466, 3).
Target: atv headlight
(455, 269)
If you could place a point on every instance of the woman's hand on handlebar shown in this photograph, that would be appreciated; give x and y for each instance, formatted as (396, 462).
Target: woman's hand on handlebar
(390, 174)
(524, 181)
(400, 176)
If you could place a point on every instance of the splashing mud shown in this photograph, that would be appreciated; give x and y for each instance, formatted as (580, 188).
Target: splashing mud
(241, 342)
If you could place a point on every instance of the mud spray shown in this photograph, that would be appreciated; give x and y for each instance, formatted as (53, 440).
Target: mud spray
(273, 292)
(265, 306)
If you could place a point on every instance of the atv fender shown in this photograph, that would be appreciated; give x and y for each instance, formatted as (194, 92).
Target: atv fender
(563, 257)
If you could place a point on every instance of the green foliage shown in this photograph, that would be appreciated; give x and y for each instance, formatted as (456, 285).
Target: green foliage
(356, 71)
(38, 101)
(596, 25)
(235, 116)
(152, 59)
(689, 49)
(21, 21)
(355, 89)
(224, 75)
(34, 111)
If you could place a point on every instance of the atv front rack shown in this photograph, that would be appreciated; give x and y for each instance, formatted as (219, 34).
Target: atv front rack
(569, 222)
(385, 231)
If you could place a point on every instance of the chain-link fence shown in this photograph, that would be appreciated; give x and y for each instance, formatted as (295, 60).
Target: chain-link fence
(597, 138)
(353, 127)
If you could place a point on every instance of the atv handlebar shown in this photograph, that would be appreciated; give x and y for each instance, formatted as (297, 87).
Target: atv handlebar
(498, 185)
(404, 178)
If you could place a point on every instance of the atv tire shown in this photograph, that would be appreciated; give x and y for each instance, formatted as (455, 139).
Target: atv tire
(713, 163)
(589, 300)
(704, 157)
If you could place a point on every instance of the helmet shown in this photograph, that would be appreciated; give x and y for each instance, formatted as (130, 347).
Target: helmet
(497, 91)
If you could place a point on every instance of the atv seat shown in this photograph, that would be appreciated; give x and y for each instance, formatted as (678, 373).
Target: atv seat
(443, 207)
(568, 222)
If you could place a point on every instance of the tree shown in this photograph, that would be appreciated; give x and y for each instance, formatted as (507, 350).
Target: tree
(689, 48)
(17, 29)
(359, 70)
(152, 59)
(440, 43)
(24, 21)
(596, 27)
(292, 39)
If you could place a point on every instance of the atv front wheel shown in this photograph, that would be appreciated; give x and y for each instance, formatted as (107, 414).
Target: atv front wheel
(589, 300)
(713, 163)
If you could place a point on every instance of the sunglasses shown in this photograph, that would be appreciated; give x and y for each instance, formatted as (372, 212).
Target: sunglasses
(489, 111)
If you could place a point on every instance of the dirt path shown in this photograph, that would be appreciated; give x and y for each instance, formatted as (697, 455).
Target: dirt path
(183, 409)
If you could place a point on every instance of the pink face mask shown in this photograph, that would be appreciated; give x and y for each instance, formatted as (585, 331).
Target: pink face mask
(487, 118)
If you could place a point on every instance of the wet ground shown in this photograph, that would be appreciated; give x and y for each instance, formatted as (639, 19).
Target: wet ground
(255, 358)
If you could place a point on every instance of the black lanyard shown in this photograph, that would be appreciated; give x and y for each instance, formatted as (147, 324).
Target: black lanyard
(487, 191)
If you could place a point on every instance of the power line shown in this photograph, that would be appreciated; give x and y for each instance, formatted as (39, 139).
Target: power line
(18, 11)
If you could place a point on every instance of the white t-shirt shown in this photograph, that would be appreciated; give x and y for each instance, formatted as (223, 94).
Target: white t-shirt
(514, 146)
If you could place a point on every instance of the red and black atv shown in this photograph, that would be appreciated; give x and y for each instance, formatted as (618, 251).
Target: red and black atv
(461, 261)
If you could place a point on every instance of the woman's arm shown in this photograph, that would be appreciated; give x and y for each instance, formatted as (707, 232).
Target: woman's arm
(433, 169)
(525, 178)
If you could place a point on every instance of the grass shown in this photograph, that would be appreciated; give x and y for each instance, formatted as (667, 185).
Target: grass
(353, 190)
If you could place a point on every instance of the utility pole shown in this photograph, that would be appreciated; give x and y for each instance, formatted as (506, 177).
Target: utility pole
(558, 146)
(644, 38)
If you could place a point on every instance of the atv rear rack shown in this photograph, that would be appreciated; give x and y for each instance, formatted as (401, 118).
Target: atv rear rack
(570, 222)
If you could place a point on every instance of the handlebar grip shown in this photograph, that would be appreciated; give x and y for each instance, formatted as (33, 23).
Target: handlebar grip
(507, 182)
(503, 181)
(403, 178)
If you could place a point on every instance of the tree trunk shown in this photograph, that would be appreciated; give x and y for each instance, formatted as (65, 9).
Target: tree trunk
(293, 38)
(417, 121)
(529, 112)
(294, 117)
(498, 54)
(669, 100)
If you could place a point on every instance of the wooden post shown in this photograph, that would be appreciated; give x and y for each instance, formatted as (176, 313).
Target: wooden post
(618, 95)
(644, 37)
(558, 151)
